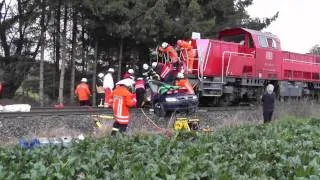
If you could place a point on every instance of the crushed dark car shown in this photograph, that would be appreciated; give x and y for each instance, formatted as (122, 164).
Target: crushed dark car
(165, 98)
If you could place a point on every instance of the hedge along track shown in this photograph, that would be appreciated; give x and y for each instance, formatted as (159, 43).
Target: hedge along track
(88, 110)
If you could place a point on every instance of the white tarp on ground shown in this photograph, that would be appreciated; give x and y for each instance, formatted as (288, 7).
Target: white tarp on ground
(15, 108)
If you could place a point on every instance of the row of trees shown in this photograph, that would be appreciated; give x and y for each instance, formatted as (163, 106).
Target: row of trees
(64, 40)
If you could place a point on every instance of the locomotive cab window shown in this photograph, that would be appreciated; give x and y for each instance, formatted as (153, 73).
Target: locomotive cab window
(234, 38)
(267, 42)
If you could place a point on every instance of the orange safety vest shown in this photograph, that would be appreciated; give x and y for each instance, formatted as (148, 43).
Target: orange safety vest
(172, 53)
(184, 84)
(83, 92)
(122, 99)
(188, 53)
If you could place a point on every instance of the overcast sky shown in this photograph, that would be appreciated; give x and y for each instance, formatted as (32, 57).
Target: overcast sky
(298, 24)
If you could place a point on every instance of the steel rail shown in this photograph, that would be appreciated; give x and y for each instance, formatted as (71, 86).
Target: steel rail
(56, 112)
(65, 107)
(93, 111)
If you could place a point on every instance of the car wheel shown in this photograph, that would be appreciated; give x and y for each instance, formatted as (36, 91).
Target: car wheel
(159, 109)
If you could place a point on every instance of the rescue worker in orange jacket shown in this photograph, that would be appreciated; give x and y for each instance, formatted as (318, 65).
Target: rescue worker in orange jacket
(122, 99)
(183, 83)
(140, 91)
(187, 52)
(168, 50)
(83, 92)
(164, 70)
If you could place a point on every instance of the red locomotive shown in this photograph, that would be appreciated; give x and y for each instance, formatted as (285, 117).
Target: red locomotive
(239, 64)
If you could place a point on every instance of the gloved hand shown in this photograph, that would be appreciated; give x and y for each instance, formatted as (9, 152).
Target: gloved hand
(135, 101)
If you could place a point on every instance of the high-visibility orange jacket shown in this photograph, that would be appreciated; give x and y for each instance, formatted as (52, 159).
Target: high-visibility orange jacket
(185, 45)
(122, 99)
(184, 84)
(188, 53)
(82, 91)
(171, 52)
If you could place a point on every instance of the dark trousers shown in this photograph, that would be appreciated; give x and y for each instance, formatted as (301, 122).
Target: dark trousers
(140, 96)
(118, 128)
(100, 99)
(84, 103)
(267, 116)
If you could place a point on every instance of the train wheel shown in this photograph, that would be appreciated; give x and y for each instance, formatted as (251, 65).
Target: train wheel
(225, 100)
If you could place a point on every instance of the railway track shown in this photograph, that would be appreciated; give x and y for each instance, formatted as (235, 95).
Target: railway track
(76, 110)
(49, 111)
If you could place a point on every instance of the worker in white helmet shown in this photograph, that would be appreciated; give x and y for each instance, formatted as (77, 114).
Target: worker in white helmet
(100, 90)
(122, 99)
(149, 73)
(129, 74)
(108, 85)
(83, 93)
(183, 83)
(167, 50)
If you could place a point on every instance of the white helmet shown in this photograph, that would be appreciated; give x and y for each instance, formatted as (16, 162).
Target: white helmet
(131, 71)
(145, 66)
(84, 80)
(180, 75)
(111, 70)
(164, 45)
(100, 75)
(154, 64)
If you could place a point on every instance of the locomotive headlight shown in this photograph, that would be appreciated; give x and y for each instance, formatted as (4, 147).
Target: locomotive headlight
(171, 99)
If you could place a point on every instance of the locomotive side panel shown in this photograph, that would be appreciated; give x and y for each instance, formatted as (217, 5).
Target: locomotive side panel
(268, 64)
(300, 67)
(218, 57)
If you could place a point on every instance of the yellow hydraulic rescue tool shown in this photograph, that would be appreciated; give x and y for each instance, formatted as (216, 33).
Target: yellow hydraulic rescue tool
(99, 118)
(185, 124)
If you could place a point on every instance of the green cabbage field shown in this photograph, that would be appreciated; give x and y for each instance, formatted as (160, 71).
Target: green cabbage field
(287, 149)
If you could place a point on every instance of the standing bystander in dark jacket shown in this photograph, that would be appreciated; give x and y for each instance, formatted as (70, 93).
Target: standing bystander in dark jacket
(268, 100)
(100, 90)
